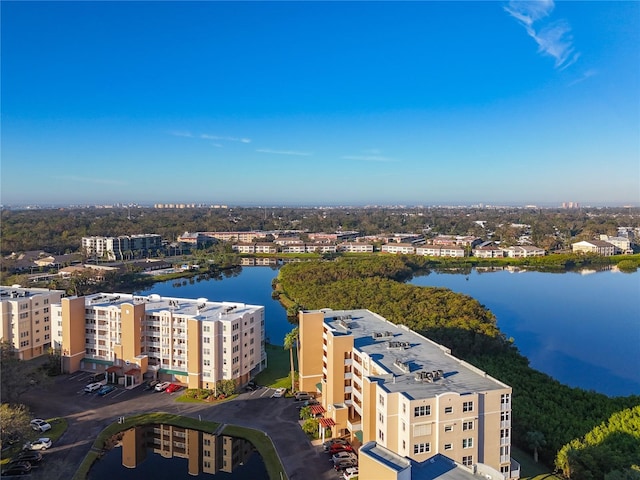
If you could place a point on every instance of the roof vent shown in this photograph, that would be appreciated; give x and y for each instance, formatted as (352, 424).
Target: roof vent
(404, 366)
(396, 345)
(376, 335)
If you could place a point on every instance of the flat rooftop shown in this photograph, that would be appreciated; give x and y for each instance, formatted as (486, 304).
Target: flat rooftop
(14, 292)
(199, 308)
(401, 354)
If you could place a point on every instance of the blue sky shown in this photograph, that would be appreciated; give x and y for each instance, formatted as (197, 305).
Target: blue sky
(329, 103)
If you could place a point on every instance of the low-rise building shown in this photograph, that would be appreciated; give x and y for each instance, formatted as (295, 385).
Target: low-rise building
(402, 248)
(192, 341)
(25, 319)
(440, 251)
(599, 247)
(386, 383)
(622, 244)
(353, 247)
(522, 251)
(488, 250)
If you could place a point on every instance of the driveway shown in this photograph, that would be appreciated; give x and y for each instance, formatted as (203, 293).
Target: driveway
(88, 414)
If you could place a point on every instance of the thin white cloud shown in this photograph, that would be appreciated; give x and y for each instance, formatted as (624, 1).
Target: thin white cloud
(206, 136)
(583, 77)
(554, 39)
(97, 180)
(182, 134)
(368, 158)
(283, 152)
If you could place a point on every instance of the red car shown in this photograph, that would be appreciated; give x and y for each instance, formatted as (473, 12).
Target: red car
(174, 387)
(338, 447)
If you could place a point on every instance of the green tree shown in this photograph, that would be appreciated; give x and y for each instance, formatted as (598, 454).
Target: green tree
(14, 423)
(535, 440)
(291, 342)
(17, 376)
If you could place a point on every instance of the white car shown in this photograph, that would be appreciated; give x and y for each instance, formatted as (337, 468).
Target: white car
(93, 387)
(40, 425)
(350, 473)
(161, 387)
(278, 393)
(344, 456)
(39, 444)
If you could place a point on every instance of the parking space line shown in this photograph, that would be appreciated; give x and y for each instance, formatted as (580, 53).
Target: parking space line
(267, 390)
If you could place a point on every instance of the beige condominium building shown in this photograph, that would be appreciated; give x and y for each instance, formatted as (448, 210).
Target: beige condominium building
(386, 383)
(192, 341)
(25, 319)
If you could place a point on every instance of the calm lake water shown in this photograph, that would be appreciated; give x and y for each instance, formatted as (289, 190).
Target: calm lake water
(582, 329)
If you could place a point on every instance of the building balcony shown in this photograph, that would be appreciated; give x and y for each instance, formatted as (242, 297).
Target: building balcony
(354, 423)
(514, 469)
(348, 389)
(348, 362)
(505, 459)
(348, 376)
(505, 441)
(505, 424)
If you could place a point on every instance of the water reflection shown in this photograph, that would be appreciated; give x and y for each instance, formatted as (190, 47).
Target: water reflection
(166, 451)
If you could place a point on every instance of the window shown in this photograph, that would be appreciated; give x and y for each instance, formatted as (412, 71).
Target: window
(381, 435)
(467, 407)
(504, 469)
(381, 399)
(504, 433)
(505, 398)
(504, 416)
(467, 443)
(404, 445)
(206, 351)
(421, 448)
(448, 446)
(206, 362)
(422, 411)
(404, 426)
(206, 340)
(467, 425)
(206, 328)
(404, 408)
(448, 428)
(467, 461)
(380, 417)
(448, 409)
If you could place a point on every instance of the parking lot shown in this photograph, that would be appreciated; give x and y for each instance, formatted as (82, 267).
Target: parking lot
(89, 413)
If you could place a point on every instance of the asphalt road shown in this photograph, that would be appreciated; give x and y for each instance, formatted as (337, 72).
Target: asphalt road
(88, 414)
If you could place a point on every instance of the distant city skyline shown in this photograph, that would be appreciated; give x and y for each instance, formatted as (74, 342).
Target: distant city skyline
(321, 103)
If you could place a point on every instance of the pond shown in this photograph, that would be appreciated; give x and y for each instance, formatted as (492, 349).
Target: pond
(168, 452)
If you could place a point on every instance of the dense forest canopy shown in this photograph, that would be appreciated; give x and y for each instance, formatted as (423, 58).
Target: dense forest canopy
(60, 230)
(541, 404)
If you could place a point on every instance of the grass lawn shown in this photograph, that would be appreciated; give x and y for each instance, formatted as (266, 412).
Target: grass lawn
(529, 470)
(263, 445)
(278, 373)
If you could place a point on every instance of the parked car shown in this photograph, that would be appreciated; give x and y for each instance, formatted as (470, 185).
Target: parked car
(308, 403)
(151, 385)
(334, 441)
(344, 464)
(174, 387)
(162, 386)
(340, 448)
(350, 473)
(343, 456)
(278, 393)
(40, 425)
(299, 396)
(251, 386)
(93, 387)
(39, 444)
(18, 468)
(29, 456)
(106, 389)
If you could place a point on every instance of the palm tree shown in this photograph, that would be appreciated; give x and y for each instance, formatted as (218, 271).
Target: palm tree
(535, 440)
(291, 342)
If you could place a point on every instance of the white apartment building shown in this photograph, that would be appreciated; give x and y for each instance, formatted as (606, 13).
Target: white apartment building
(440, 251)
(402, 248)
(121, 247)
(193, 341)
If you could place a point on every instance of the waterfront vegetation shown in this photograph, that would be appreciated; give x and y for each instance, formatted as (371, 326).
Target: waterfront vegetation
(558, 414)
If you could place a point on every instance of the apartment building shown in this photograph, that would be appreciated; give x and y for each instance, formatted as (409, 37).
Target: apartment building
(440, 251)
(353, 247)
(385, 383)
(192, 341)
(599, 247)
(622, 244)
(403, 248)
(523, 251)
(25, 319)
(121, 247)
